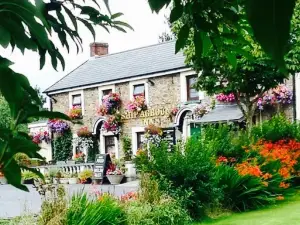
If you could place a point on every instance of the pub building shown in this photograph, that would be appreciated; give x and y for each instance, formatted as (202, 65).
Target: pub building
(154, 73)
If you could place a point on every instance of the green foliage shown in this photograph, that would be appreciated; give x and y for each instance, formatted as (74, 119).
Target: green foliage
(27, 175)
(187, 174)
(85, 174)
(62, 145)
(54, 208)
(277, 128)
(126, 144)
(154, 207)
(28, 25)
(165, 212)
(242, 192)
(216, 22)
(224, 140)
(86, 211)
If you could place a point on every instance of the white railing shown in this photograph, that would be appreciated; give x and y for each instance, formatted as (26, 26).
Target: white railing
(68, 168)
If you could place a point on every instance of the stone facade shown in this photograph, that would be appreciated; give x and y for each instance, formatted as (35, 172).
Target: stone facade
(164, 92)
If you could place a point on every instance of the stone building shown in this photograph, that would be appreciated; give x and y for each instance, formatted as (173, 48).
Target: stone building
(156, 72)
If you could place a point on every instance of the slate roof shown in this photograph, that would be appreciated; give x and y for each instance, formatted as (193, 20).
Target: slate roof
(128, 64)
(222, 113)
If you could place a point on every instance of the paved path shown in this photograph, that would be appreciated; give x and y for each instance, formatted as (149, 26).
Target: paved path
(14, 202)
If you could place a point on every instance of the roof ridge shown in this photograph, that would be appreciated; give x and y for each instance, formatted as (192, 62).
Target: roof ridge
(133, 49)
(45, 91)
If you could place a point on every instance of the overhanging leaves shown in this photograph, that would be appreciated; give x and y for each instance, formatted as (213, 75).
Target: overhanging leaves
(270, 20)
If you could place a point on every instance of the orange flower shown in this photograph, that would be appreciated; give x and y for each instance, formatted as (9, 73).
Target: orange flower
(284, 172)
(246, 168)
(265, 183)
(267, 176)
(284, 185)
(280, 198)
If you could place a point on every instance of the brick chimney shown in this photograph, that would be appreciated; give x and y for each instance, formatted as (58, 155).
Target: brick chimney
(98, 49)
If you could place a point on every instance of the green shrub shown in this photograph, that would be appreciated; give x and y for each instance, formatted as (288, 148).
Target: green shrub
(275, 129)
(85, 174)
(54, 207)
(165, 212)
(62, 146)
(223, 140)
(242, 192)
(152, 206)
(86, 211)
(126, 145)
(187, 175)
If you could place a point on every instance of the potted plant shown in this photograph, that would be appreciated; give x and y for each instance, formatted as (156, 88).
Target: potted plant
(85, 176)
(130, 171)
(79, 157)
(73, 178)
(3, 180)
(114, 175)
(65, 178)
(28, 177)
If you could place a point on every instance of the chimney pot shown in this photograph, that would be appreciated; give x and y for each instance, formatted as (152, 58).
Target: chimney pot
(98, 49)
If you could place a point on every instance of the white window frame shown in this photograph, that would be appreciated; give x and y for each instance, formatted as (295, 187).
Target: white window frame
(134, 132)
(106, 87)
(137, 82)
(102, 142)
(183, 86)
(71, 94)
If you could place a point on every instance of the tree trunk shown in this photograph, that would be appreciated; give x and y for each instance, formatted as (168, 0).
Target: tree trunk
(249, 116)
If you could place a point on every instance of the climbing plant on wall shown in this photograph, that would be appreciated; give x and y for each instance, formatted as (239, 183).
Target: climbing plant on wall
(62, 146)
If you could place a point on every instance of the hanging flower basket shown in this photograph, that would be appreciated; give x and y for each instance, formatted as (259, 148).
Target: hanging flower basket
(280, 95)
(75, 113)
(201, 110)
(174, 111)
(137, 105)
(112, 124)
(110, 104)
(225, 98)
(84, 132)
(58, 126)
(41, 136)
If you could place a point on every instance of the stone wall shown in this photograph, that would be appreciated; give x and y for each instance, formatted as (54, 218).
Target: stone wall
(163, 93)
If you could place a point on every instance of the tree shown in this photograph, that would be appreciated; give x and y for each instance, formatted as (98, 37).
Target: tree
(210, 21)
(229, 58)
(29, 26)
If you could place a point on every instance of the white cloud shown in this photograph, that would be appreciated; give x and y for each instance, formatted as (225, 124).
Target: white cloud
(147, 27)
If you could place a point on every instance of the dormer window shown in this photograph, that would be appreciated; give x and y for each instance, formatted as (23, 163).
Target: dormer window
(138, 90)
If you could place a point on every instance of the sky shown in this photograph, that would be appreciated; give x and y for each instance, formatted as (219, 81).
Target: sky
(147, 28)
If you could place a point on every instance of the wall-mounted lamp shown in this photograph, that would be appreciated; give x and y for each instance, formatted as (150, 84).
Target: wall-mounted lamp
(151, 82)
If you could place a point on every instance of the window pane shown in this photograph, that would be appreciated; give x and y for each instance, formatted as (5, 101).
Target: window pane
(139, 89)
(110, 147)
(106, 92)
(76, 100)
(192, 93)
(140, 139)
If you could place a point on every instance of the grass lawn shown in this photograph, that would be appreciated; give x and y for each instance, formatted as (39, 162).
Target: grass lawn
(286, 213)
